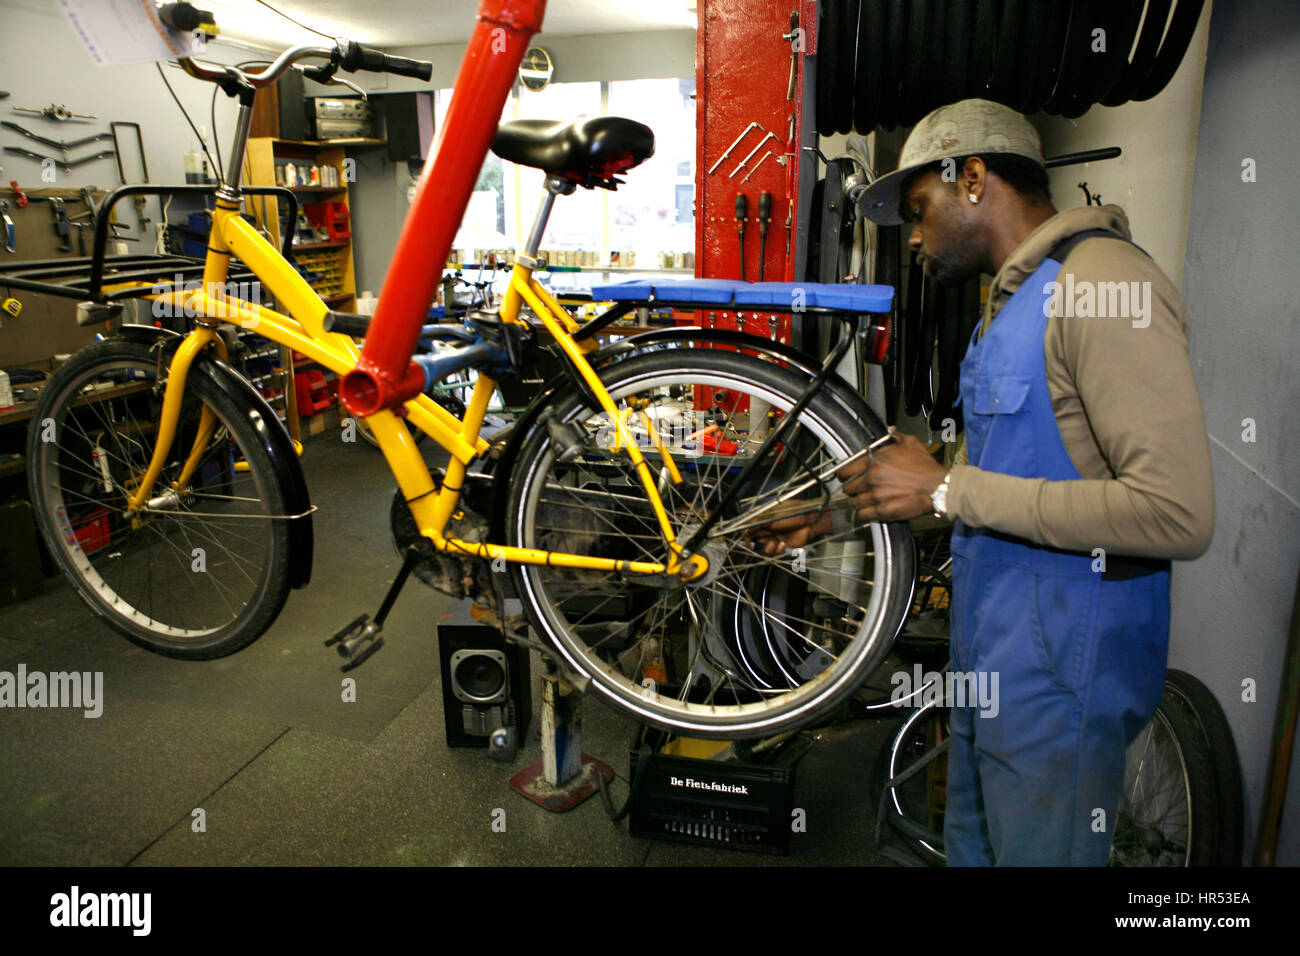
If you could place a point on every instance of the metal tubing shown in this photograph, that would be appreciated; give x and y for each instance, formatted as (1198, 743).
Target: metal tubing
(385, 375)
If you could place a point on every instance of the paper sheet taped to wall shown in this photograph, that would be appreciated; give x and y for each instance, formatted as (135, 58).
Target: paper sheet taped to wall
(117, 32)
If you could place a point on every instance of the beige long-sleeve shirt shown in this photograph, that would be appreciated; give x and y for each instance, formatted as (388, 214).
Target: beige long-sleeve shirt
(1125, 402)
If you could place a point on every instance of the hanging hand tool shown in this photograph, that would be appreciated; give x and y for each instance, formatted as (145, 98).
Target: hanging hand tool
(11, 239)
(62, 225)
(789, 223)
(764, 218)
(138, 201)
(54, 112)
(751, 154)
(20, 197)
(795, 37)
(60, 144)
(734, 143)
(755, 169)
(66, 164)
(742, 214)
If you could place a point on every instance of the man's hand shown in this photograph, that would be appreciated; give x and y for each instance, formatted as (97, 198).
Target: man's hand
(896, 483)
(793, 531)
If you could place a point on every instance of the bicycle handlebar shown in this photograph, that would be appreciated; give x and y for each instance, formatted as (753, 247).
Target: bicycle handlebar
(358, 57)
(345, 53)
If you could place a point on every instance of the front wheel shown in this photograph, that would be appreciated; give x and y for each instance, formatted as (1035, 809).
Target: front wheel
(203, 569)
(757, 645)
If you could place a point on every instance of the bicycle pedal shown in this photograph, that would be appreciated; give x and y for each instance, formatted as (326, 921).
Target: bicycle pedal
(357, 641)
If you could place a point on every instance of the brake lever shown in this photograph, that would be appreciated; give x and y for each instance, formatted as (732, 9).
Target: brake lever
(324, 75)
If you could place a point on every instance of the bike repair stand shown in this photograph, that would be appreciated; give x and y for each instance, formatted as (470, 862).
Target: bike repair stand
(565, 776)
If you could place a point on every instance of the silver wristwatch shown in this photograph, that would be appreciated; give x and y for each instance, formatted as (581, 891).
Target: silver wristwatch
(940, 497)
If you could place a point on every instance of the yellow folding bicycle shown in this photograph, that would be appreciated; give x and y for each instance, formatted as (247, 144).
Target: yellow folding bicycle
(618, 511)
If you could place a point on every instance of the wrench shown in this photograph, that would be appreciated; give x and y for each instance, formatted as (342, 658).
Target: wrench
(11, 240)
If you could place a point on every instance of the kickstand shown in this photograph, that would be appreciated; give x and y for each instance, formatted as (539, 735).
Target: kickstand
(361, 638)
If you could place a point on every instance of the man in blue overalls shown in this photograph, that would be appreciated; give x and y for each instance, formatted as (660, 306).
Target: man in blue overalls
(1085, 469)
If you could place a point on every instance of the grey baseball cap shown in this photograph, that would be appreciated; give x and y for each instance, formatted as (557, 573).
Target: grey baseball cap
(958, 129)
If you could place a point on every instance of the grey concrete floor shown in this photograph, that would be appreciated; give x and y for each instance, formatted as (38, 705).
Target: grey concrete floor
(286, 772)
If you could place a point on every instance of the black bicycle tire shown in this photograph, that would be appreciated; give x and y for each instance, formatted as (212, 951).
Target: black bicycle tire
(1028, 54)
(1152, 26)
(932, 92)
(846, 40)
(1006, 54)
(958, 37)
(830, 413)
(1120, 21)
(912, 91)
(983, 48)
(1182, 27)
(1055, 28)
(1075, 48)
(867, 75)
(827, 65)
(878, 774)
(1202, 787)
(1225, 762)
(888, 104)
(1189, 735)
(262, 611)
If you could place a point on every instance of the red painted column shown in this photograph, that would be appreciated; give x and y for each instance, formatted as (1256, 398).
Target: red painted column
(385, 375)
(742, 77)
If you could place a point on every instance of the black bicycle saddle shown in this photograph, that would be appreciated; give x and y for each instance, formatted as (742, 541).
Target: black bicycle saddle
(588, 151)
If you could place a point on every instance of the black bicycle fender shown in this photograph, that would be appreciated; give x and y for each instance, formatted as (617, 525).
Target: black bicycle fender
(273, 436)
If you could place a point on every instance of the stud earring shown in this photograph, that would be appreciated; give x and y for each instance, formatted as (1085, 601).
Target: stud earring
(972, 198)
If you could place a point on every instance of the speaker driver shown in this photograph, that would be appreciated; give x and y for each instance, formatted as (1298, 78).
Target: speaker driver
(479, 676)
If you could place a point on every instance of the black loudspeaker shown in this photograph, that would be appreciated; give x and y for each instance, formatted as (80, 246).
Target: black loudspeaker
(486, 687)
(293, 106)
(408, 124)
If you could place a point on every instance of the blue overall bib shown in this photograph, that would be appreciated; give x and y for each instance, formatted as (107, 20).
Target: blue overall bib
(1079, 655)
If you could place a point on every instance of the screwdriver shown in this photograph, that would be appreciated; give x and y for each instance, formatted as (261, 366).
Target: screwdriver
(742, 214)
(764, 217)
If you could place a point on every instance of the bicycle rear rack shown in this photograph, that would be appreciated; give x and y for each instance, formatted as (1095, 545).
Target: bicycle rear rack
(84, 277)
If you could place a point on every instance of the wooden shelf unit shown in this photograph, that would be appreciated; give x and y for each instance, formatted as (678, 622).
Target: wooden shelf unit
(264, 152)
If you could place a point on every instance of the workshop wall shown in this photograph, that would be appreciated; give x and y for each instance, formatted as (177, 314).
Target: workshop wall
(42, 63)
(378, 197)
(1231, 608)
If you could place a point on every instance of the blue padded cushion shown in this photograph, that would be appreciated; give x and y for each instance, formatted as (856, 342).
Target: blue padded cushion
(817, 295)
(635, 289)
(783, 296)
(698, 291)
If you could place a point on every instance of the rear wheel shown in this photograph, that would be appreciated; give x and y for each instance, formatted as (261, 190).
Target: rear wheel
(759, 644)
(202, 571)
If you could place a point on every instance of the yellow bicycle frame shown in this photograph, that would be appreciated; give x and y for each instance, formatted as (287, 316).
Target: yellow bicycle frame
(303, 330)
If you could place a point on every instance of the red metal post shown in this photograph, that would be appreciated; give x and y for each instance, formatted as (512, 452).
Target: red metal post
(385, 375)
(742, 72)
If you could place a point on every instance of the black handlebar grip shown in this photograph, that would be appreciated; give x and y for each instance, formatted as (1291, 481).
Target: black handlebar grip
(358, 57)
(183, 16)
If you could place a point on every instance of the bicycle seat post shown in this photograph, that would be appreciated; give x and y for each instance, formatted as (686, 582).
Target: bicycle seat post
(554, 186)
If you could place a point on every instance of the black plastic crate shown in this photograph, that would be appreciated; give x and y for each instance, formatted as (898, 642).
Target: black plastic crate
(710, 803)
